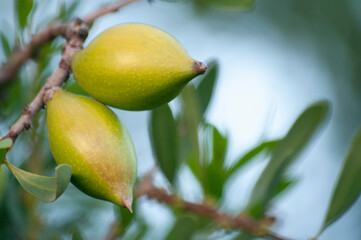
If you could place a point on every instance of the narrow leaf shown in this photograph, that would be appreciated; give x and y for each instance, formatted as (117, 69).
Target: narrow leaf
(3, 182)
(206, 86)
(125, 217)
(230, 4)
(164, 139)
(5, 144)
(185, 227)
(285, 154)
(5, 45)
(348, 188)
(47, 189)
(188, 123)
(266, 147)
(192, 107)
(72, 86)
(23, 9)
(212, 172)
(220, 143)
(285, 184)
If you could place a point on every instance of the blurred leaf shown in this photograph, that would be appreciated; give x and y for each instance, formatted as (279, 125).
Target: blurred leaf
(3, 181)
(192, 107)
(243, 236)
(47, 189)
(185, 227)
(5, 144)
(263, 147)
(212, 173)
(164, 139)
(65, 11)
(23, 9)
(348, 188)
(5, 45)
(206, 86)
(216, 172)
(125, 216)
(285, 184)
(77, 234)
(230, 4)
(285, 154)
(220, 143)
(72, 86)
(188, 122)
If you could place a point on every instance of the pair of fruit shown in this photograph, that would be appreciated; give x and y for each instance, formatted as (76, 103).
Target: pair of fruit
(129, 66)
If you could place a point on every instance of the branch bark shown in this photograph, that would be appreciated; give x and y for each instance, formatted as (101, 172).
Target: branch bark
(9, 70)
(147, 188)
(75, 32)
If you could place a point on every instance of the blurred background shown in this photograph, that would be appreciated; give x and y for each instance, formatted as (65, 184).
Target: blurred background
(275, 59)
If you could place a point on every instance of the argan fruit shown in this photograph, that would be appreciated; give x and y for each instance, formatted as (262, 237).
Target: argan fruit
(134, 66)
(89, 137)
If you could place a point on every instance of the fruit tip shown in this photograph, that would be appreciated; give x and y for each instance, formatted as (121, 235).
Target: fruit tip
(128, 203)
(200, 67)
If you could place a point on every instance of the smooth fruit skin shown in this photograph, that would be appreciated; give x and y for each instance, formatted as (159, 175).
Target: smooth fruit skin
(90, 138)
(134, 66)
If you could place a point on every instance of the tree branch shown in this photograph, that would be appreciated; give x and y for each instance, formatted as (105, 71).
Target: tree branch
(89, 19)
(147, 188)
(9, 70)
(76, 33)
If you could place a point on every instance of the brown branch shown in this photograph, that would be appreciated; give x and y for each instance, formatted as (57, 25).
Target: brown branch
(75, 32)
(114, 231)
(105, 10)
(147, 188)
(75, 35)
(9, 70)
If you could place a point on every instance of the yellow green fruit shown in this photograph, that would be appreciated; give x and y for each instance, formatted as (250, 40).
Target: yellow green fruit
(89, 137)
(134, 66)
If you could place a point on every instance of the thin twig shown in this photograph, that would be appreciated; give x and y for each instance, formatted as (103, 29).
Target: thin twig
(147, 188)
(76, 34)
(106, 9)
(9, 70)
(114, 231)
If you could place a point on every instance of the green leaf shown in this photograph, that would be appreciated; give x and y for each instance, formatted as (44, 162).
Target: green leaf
(23, 9)
(220, 143)
(285, 184)
(185, 227)
(192, 107)
(188, 122)
(77, 234)
(212, 172)
(285, 154)
(206, 86)
(230, 4)
(47, 189)
(72, 86)
(348, 188)
(5, 45)
(3, 182)
(125, 216)
(5, 144)
(66, 11)
(267, 147)
(164, 139)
